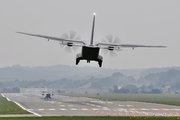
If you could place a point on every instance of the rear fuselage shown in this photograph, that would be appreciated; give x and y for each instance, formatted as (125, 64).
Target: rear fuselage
(89, 53)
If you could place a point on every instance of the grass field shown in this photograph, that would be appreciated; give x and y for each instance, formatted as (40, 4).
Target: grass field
(8, 107)
(169, 99)
(90, 118)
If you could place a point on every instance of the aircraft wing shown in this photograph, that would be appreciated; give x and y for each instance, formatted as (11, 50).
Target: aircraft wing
(62, 40)
(107, 45)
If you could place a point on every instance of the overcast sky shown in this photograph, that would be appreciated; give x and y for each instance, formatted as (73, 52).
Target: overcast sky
(149, 22)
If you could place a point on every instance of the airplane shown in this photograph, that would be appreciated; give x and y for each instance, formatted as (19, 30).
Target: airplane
(90, 51)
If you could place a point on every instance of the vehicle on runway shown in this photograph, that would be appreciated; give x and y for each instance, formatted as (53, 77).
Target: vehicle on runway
(48, 95)
(90, 51)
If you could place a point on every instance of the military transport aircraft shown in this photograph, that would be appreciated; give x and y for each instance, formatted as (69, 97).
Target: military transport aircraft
(90, 51)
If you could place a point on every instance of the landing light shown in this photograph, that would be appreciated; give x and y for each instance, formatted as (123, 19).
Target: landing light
(94, 13)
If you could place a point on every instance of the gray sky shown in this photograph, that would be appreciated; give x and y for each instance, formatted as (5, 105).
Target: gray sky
(149, 22)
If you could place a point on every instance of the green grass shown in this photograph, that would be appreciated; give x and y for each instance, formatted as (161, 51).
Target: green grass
(90, 118)
(169, 99)
(8, 107)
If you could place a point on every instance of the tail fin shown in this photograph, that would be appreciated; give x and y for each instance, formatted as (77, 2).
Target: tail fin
(92, 34)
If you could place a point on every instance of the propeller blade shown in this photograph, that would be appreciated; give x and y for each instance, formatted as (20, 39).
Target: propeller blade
(72, 34)
(68, 49)
(105, 41)
(65, 35)
(78, 38)
(116, 40)
(109, 38)
(112, 53)
(75, 48)
(104, 51)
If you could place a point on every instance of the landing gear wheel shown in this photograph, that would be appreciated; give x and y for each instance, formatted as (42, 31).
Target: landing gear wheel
(100, 64)
(77, 61)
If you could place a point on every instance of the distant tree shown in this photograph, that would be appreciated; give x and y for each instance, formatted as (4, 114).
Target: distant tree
(7, 90)
(16, 90)
(144, 92)
(123, 90)
(1, 84)
(61, 91)
(115, 88)
(156, 91)
(143, 87)
(131, 88)
(151, 87)
(86, 92)
(176, 92)
(163, 86)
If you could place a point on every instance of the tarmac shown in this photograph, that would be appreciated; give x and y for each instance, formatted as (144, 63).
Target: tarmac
(72, 106)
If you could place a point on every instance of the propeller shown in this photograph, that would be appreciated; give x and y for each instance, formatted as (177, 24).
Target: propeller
(68, 46)
(111, 50)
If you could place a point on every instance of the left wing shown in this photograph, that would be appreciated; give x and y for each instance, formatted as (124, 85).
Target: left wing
(64, 41)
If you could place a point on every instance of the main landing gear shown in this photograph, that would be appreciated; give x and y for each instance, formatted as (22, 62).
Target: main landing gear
(88, 61)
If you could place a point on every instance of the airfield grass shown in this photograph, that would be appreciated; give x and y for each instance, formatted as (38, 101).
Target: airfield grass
(168, 99)
(9, 107)
(89, 118)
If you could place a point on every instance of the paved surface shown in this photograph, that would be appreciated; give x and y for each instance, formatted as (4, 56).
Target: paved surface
(68, 106)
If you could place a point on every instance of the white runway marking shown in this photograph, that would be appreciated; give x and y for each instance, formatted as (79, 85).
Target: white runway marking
(62, 109)
(133, 109)
(84, 109)
(98, 106)
(40, 109)
(109, 102)
(94, 109)
(175, 109)
(154, 109)
(106, 109)
(73, 109)
(29, 109)
(120, 105)
(70, 105)
(144, 109)
(52, 109)
(61, 105)
(128, 105)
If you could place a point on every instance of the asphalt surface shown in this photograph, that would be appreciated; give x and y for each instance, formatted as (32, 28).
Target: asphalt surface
(69, 106)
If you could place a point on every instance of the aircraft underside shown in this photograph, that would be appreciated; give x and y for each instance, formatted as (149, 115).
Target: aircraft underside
(90, 54)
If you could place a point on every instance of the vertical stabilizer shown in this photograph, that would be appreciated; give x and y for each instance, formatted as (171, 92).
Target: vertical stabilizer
(92, 34)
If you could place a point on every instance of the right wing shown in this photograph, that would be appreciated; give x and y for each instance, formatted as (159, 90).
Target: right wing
(64, 41)
(118, 46)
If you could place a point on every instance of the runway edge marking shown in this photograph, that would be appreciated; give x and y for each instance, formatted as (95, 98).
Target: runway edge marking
(22, 106)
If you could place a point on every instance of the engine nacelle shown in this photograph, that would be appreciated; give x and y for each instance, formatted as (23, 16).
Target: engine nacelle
(110, 48)
(69, 44)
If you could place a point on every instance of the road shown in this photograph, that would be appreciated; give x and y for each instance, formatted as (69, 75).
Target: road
(71, 106)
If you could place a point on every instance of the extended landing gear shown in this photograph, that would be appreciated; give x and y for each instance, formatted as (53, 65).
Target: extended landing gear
(100, 64)
(77, 61)
(98, 59)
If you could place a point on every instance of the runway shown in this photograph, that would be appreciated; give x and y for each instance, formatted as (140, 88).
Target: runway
(69, 106)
